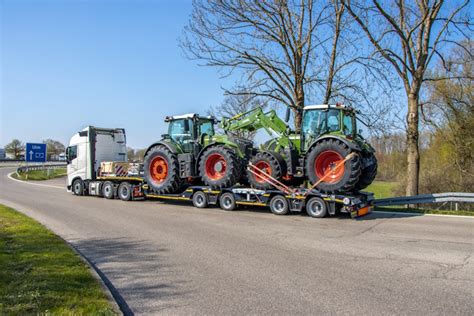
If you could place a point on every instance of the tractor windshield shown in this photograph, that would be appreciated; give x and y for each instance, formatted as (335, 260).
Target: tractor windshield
(181, 131)
(348, 123)
(318, 122)
(206, 127)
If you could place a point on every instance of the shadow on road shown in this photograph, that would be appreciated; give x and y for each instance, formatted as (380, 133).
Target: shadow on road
(135, 271)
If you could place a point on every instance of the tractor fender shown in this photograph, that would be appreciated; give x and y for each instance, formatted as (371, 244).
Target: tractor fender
(168, 145)
(352, 145)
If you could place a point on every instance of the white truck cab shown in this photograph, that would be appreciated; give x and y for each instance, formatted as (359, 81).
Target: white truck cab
(88, 148)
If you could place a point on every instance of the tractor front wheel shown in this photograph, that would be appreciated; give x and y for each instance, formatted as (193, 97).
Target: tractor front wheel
(219, 167)
(266, 165)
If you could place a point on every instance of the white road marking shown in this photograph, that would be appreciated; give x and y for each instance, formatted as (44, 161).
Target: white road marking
(31, 183)
(423, 214)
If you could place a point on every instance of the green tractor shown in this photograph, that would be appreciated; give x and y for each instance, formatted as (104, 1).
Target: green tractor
(327, 135)
(191, 152)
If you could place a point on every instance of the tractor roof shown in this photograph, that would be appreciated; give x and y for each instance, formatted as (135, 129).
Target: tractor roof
(326, 106)
(188, 116)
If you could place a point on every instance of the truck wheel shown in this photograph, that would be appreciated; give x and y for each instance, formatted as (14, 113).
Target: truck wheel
(227, 201)
(324, 157)
(219, 167)
(125, 191)
(200, 199)
(78, 187)
(316, 207)
(108, 190)
(279, 205)
(368, 172)
(161, 170)
(268, 164)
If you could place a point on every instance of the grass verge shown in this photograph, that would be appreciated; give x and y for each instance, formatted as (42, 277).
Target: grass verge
(40, 174)
(382, 189)
(41, 274)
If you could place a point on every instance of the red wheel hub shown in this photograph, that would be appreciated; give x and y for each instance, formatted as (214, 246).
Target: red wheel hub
(159, 169)
(326, 163)
(216, 166)
(265, 169)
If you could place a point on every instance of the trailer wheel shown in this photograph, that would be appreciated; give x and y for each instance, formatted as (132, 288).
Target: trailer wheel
(125, 191)
(279, 205)
(78, 187)
(227, 201)
(200, 199)
(316, 207)
(108, 190)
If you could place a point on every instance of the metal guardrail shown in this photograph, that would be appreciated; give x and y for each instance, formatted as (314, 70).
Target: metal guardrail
(456, 197)
(45, 166)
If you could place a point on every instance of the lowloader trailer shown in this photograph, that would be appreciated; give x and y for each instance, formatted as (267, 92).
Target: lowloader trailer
(97, 166)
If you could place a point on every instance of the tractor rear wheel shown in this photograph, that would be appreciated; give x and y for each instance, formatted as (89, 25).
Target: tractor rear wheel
(369, 171)
(268, 164)
(322, 160)
(220, 167)
(162, 170)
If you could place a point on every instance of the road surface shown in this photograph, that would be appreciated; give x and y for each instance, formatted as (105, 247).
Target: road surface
(176, 259)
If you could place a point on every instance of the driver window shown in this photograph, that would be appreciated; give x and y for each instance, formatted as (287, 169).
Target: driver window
(347, 124)
(206, 128)
(181, 130)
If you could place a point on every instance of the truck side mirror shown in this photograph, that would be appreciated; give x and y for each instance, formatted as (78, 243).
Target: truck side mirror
(287, 115)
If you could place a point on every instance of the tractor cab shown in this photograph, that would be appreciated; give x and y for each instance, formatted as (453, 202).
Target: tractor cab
(189, 129)
(336, 119)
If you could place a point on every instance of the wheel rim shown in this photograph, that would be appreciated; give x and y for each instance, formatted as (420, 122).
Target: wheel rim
(227, 201)
(326, 163)
(278, 206)
(315, 208)
(159, 169)
(264, 171)
(199, 200)
(124, 191)
(107, 189)
(77, 187)
(216, 166)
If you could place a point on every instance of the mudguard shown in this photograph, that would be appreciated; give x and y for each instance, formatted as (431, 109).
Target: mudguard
(168, 145)
(352, 145)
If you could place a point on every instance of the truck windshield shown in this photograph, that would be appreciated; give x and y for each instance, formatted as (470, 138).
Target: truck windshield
(317, 122)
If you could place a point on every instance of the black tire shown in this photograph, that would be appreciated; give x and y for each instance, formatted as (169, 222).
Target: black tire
(270, 162)
(369, 172)
(78, 187)
(316, 207)
(170, 181)
(352, 168)
(279, 205)
(227, 201)
(108, 190)
(229, 173)
(200, 199)
(125, 191)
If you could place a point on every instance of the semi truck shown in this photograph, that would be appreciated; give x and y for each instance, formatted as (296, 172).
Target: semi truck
(97, 165)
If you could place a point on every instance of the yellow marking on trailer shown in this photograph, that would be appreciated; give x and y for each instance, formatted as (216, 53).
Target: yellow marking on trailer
(251, 203)
(168, 197)
(189, 190)
(298, 197)
(266, 194)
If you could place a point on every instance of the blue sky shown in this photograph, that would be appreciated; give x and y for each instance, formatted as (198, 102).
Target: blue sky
(66, 64)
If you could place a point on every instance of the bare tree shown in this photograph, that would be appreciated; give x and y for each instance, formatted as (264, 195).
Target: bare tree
(283, 48)
(15, 148)
(410, 35)
(53, 149)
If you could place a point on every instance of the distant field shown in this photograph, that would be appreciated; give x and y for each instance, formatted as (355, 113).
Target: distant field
(382, 189)
(41, 174)
(41, 275)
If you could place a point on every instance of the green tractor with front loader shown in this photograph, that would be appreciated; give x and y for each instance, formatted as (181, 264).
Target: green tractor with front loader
(328, 134)
(192, 153)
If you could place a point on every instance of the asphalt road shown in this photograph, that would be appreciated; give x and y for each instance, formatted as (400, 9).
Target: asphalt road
(176, 259)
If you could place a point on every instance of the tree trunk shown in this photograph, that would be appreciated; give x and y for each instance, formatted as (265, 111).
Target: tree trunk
(413, 153)
(299, 98)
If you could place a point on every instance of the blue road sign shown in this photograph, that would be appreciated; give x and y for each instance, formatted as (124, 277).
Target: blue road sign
(35, 152)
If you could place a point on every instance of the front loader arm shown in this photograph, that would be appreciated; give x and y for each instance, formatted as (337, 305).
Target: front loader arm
(256, 119)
